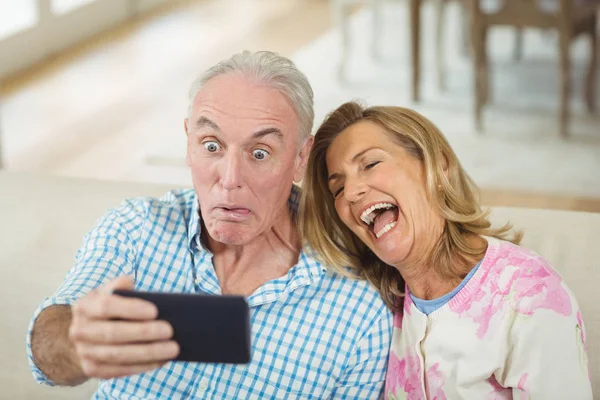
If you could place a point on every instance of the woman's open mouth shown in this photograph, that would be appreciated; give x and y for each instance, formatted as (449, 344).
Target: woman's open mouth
(380, 218)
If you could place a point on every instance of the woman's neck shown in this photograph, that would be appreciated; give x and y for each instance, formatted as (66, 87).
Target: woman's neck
(428, 281)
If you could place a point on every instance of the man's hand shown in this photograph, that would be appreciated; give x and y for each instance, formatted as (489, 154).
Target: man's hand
(115, 336)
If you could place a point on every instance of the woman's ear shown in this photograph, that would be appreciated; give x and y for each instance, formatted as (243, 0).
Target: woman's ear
(302, 158)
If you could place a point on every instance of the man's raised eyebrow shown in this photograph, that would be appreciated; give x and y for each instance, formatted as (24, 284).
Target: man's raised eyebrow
(268, 131)
(205, 122)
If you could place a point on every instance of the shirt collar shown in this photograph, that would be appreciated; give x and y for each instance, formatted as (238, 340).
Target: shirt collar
(309, 262)
(194, 226)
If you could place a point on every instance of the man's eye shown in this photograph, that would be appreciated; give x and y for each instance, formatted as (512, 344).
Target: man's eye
(260, 154)
(338, 192)
(211, 146)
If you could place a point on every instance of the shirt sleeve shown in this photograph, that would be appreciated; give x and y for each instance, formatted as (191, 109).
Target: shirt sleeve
(108, 251)
(548, 356)
(364, 377)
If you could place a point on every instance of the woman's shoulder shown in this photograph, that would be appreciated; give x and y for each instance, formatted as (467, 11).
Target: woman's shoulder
(502, 254)
(529, 280)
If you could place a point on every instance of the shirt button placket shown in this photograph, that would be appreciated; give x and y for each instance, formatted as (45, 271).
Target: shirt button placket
(203, 385)
(421, 355)
(201, 388)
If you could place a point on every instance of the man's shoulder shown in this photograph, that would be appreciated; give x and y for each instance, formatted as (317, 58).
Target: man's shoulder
(351, 296)
(176, 200)
(358, 289)
(137, 215)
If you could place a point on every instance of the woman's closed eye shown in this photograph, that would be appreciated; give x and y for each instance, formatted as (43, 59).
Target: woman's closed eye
(371, 165)
(337, 192)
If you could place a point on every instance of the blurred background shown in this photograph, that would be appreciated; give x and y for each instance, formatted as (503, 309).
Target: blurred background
(98, 88)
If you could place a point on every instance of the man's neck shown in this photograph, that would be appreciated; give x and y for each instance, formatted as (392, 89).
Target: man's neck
(241, 269)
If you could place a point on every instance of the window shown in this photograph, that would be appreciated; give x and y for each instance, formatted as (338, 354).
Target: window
(17, 16)
(64, 6)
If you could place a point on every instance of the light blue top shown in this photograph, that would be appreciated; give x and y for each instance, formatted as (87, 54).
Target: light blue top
(314, 334)
(429, 306)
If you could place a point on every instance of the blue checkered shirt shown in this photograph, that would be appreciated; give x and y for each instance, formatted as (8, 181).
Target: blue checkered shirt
(314, 334)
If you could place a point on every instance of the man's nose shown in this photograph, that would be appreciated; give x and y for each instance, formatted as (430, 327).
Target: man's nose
(231, 174)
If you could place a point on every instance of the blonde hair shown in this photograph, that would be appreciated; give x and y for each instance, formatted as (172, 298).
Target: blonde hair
(452, 193)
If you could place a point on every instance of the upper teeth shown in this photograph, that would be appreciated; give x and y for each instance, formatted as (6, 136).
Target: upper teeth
(366, 216)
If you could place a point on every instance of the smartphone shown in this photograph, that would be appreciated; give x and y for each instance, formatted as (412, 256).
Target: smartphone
(208, 328)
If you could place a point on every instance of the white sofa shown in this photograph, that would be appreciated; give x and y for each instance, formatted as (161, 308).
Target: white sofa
(43, 219)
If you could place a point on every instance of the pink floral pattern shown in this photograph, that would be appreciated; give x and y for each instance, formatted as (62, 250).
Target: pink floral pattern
(583, 344)
(521, 386)
(580, 323)
(399, 316)
(498, 392)
(407, 302)
(404, 375)
(510, 279)
(404, 379)
(435, 383)
(513, 275)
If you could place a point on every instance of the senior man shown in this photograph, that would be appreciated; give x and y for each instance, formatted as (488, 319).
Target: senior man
(314, 334)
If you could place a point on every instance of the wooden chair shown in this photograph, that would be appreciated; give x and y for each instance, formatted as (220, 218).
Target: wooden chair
(569, 17)
(1, 160)
(465, 36)
(341, 10)
(440, 33)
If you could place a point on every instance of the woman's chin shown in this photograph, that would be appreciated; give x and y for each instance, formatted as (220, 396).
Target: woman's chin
(392, 251)
(389, 257)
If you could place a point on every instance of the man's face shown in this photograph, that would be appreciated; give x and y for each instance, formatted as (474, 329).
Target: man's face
(243, 153)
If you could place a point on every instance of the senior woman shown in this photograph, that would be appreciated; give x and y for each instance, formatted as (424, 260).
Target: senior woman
(476, 315)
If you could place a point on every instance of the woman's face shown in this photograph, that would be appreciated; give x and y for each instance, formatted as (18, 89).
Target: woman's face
(379, 192)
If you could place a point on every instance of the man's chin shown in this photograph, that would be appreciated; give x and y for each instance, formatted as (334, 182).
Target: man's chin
(232, 235)
(233, 240)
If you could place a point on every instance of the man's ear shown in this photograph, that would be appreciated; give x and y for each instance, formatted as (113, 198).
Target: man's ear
(302, 159)
(187, 153)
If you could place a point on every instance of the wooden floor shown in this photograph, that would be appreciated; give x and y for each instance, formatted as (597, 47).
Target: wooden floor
(104, 108)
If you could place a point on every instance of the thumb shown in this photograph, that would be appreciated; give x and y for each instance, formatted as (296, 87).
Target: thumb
(123, 282)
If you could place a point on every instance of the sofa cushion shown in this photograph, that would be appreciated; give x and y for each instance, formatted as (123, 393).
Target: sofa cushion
(570, 241)
(43, 220)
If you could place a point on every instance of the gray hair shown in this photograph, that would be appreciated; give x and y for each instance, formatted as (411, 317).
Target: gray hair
(274, 70)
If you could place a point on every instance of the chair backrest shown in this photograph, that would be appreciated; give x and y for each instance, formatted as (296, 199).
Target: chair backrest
(523, 13)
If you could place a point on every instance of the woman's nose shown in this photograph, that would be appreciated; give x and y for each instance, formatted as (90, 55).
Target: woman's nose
(354, 190)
